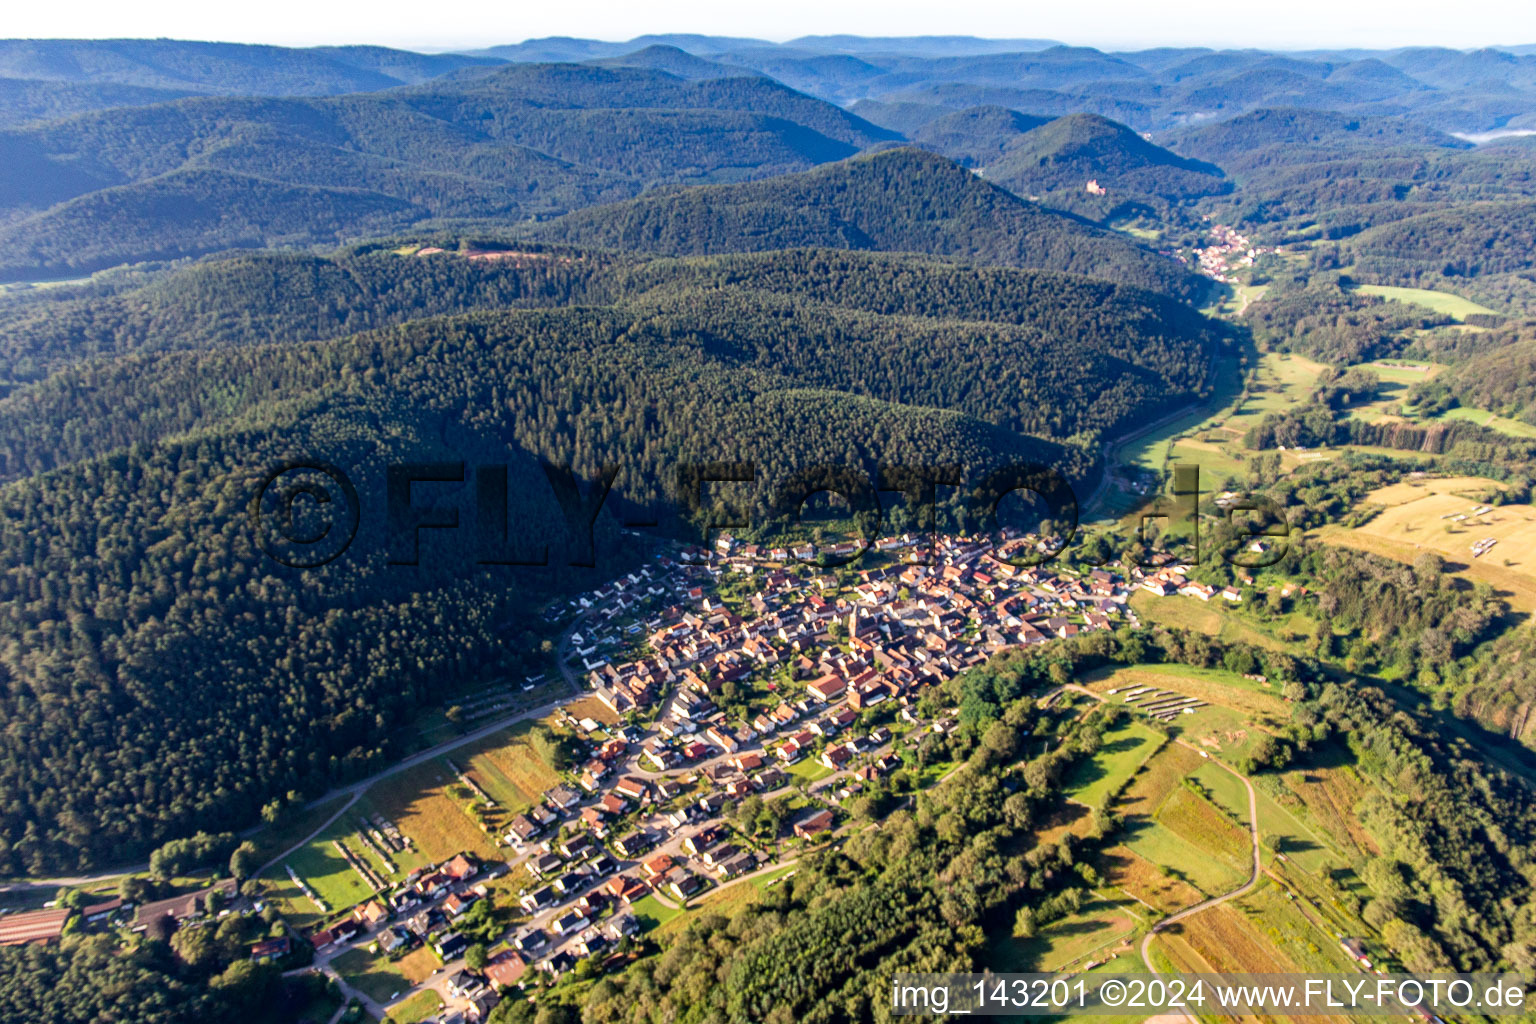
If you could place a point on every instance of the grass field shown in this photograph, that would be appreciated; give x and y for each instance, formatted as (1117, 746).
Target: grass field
(507, 767)
(1210, 617)
(725, 900)
(1504, 425)
(371, 973)
(298, 824)
(1248, 697)
(419, 1007)
(809, 769)
(1100, 924)
(1124, 749)
(1440, 302)
(1400, 372)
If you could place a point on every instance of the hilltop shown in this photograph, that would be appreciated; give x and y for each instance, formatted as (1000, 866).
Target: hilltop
(896, 200)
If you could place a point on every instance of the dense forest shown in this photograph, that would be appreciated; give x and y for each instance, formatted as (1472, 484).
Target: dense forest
(871, 202)
(1315, 317)
(137, 591)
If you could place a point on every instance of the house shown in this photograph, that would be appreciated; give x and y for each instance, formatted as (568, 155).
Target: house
(450, 945)
(480, 1007)
(456, 905)
(562, 798)
(702, 840)
(683, 884)
(630, 787)
(612, 803)
(461, 868)
(531, 941)
(340, 932)
(568, 923)
(737, 865)
(836, 757)
(828, 688)
(721, 737)
(720, 854)
(558, 964)
(370, 914)
(622, 924)
(98, 912)
(270, 949)
(543, 864)
(392, 939)
(634, 844)
(626, 888)
(465, 985)
(577, 847)
(814, 824)
(658, 866)
(505, 969)
(570, 882)
(537, 900)
(522, 829)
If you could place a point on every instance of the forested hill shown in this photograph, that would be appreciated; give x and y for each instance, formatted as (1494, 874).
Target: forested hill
(895, 200)
(1486, 251)
(225, 69)
(244, 299)
(137, 591)
(198, 175)
(1067, 152)
(1261, 139)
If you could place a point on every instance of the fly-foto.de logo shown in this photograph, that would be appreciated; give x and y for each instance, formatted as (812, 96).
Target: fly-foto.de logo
(305, 513)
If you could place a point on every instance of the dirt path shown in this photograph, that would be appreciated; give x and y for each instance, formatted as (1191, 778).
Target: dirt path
(1253, 877)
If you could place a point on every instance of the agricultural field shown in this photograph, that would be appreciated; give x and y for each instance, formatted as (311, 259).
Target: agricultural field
(506, 766)
(1145, 882)
(1211, 437)
(1323, 799)
(1124, 749)
(1440, 302)
(1416, 516)
(1172, 827)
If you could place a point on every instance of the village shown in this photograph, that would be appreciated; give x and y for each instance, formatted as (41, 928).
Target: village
(753, 677)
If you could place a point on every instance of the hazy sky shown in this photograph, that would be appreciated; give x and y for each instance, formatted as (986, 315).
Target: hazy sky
(1119, 24)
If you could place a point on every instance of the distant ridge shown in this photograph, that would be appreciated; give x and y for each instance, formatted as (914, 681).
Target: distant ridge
(930, 46)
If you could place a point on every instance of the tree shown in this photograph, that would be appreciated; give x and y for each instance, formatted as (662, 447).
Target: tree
(476, 956)
(243, 863)
(194, 946)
